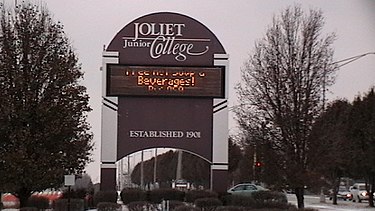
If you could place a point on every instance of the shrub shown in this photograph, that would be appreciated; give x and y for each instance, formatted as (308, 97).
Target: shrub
(158, 195)
(132, 194)
(270, 199)
(39, 202)
(223, 196)
(75, 205)
(261, 199)
(186, 208)
(207, 203)
(270, 196)
(139, 206)
(230, 208)
(276, 209)
(89, 201)
(105, 196)
(294, 208)
(193, 195)
(108, 206)
(80, 193)
(270, 205)
(173, 204)
(29, 209)
(266, 209)
(74, 194)
(238, 200)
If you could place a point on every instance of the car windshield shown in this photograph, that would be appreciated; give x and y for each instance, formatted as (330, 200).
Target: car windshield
(362, 187)
(250, 187)
(239, 187)
(342, 189)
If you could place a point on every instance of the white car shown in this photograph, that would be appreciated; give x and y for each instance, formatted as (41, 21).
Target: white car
(342, 193)
(245, 189)
(359, 192)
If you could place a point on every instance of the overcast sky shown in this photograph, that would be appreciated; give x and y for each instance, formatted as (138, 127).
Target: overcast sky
(238, 24)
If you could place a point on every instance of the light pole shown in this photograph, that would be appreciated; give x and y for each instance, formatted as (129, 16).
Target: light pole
(142, 173)
(179, 165)
(341, 63)
(155, 164)
(352, 59)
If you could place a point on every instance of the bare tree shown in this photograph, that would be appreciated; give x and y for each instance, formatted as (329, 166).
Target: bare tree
(283, 89)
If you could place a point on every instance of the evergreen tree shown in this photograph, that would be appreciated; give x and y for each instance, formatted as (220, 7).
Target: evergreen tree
(362, 140)
(329, 145)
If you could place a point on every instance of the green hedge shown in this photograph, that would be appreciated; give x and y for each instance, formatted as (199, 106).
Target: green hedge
(236, 208)
(139, 206)
(105, 196)
(191, 196)
(75, 205)
(186, 208)
(208, 203)
(270, 196)
(261, 199)
(29, 209)
(238, 200)
(132, 194)
(108, 206)
(172, 205)
(270, 199)
(74, 194)
(158, 195)
(137, 199)
(230, 208)
(39, 202)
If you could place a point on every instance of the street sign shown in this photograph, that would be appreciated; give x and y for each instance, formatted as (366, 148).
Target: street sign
(69, 180)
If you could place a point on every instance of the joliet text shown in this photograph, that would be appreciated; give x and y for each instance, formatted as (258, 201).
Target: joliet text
(165, 39)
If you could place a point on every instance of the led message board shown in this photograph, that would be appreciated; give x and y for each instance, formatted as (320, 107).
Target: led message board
(165, 81)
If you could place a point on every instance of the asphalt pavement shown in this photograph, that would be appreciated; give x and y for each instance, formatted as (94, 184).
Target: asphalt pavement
(313, 201)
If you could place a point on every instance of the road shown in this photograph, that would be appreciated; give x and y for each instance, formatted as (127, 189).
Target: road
(314, 202)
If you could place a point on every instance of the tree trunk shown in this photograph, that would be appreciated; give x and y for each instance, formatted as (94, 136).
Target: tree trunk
(23, 195)
(371, 192)
(300, 199)
(334, 197)
(335, 191)
(371, 198)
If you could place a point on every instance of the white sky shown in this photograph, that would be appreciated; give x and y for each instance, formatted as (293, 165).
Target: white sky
(90, 24)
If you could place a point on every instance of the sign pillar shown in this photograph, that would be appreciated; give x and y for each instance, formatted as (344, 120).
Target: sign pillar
(109, 129)
(219, 167)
